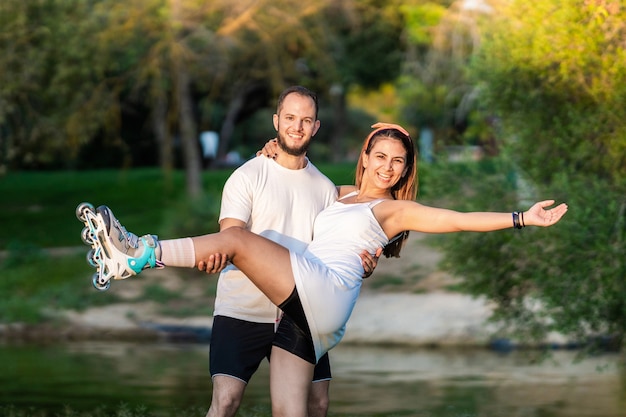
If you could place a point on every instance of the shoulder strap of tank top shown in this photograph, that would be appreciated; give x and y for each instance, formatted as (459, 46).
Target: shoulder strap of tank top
(349, 195)
(374, 203)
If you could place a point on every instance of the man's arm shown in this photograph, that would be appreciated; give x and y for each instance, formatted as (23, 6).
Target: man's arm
(228, 222)
(370, 262)
(218, 261)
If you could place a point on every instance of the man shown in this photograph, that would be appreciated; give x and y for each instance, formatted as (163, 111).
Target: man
(278, 198)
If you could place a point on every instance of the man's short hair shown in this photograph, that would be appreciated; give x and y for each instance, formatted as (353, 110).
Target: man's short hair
(297, 89)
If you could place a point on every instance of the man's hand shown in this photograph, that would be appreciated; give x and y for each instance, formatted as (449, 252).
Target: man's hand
(214, 264)
(369, 262)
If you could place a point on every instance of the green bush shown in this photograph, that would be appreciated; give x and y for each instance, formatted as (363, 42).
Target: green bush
(567, 278)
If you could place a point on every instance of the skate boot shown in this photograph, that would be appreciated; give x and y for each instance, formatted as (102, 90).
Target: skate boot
(115, 252)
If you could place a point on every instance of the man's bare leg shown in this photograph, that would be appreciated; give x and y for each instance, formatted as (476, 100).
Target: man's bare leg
(227, 396)
(319, 399)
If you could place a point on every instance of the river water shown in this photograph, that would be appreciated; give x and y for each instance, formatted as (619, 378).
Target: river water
(166, 378)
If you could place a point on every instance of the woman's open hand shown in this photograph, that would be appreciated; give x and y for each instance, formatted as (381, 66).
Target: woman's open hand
(538, 215)
(270, 149)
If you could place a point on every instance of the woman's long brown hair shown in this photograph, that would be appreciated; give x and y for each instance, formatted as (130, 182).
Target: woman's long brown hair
(406, 187)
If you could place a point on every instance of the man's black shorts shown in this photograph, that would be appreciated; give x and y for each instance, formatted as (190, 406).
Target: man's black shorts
(239, 346)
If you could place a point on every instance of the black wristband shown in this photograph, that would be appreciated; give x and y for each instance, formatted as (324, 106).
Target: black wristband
(516, 222)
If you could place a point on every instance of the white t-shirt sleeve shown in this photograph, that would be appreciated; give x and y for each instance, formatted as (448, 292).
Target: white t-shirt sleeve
(237, 197)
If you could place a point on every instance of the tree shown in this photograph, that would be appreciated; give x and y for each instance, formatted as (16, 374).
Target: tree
(53, 93)
(95, 61)
(226, 52)
(436, 93)
(272, 45)
(367, 52)
(167, 45)
(553, 73)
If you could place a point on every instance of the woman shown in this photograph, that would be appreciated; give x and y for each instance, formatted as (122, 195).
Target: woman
(377, 212)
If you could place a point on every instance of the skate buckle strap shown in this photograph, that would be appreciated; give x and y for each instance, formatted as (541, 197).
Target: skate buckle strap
(131, 238)
(148, 258)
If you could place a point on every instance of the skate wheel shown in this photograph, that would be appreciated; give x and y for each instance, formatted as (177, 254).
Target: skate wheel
(81, 209)
(87, 237)
(92, 258)
(97, 285)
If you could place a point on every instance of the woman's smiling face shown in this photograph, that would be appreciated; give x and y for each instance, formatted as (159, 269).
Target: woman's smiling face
(386, 162)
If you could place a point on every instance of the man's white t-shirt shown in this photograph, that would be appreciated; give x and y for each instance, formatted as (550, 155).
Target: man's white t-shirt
(278, 203)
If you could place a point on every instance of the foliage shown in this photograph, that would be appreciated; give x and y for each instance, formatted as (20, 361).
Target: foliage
(379, 26)
(120, 84)
(54, 93)
(434, 88)
(555, 86)
(420, 20)
(567, 278)
(557, 82)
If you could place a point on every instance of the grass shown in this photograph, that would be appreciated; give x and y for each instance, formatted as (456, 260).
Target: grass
(35, 284)
(38, 207)
(38, 213)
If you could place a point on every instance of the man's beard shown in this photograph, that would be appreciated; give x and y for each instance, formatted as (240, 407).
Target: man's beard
(291, 150)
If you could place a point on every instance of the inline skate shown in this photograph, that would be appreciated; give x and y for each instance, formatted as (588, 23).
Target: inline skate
(115, 252)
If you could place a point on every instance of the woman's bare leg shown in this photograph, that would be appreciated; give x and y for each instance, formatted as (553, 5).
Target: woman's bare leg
(268, 266)
(266, 263)
(290, 383)
(119, 254)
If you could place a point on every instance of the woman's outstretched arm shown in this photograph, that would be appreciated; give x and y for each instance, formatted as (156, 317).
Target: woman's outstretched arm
(396, 216)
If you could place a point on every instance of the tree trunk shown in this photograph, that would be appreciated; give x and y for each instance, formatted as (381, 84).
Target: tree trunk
(188, 135)
(234, 109)
(4, 160)
(337, 136)
(186, 122)
(228, 127)
(162, 134)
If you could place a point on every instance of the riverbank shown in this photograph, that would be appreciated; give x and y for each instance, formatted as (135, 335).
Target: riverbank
(434, 319)
(408, 319)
